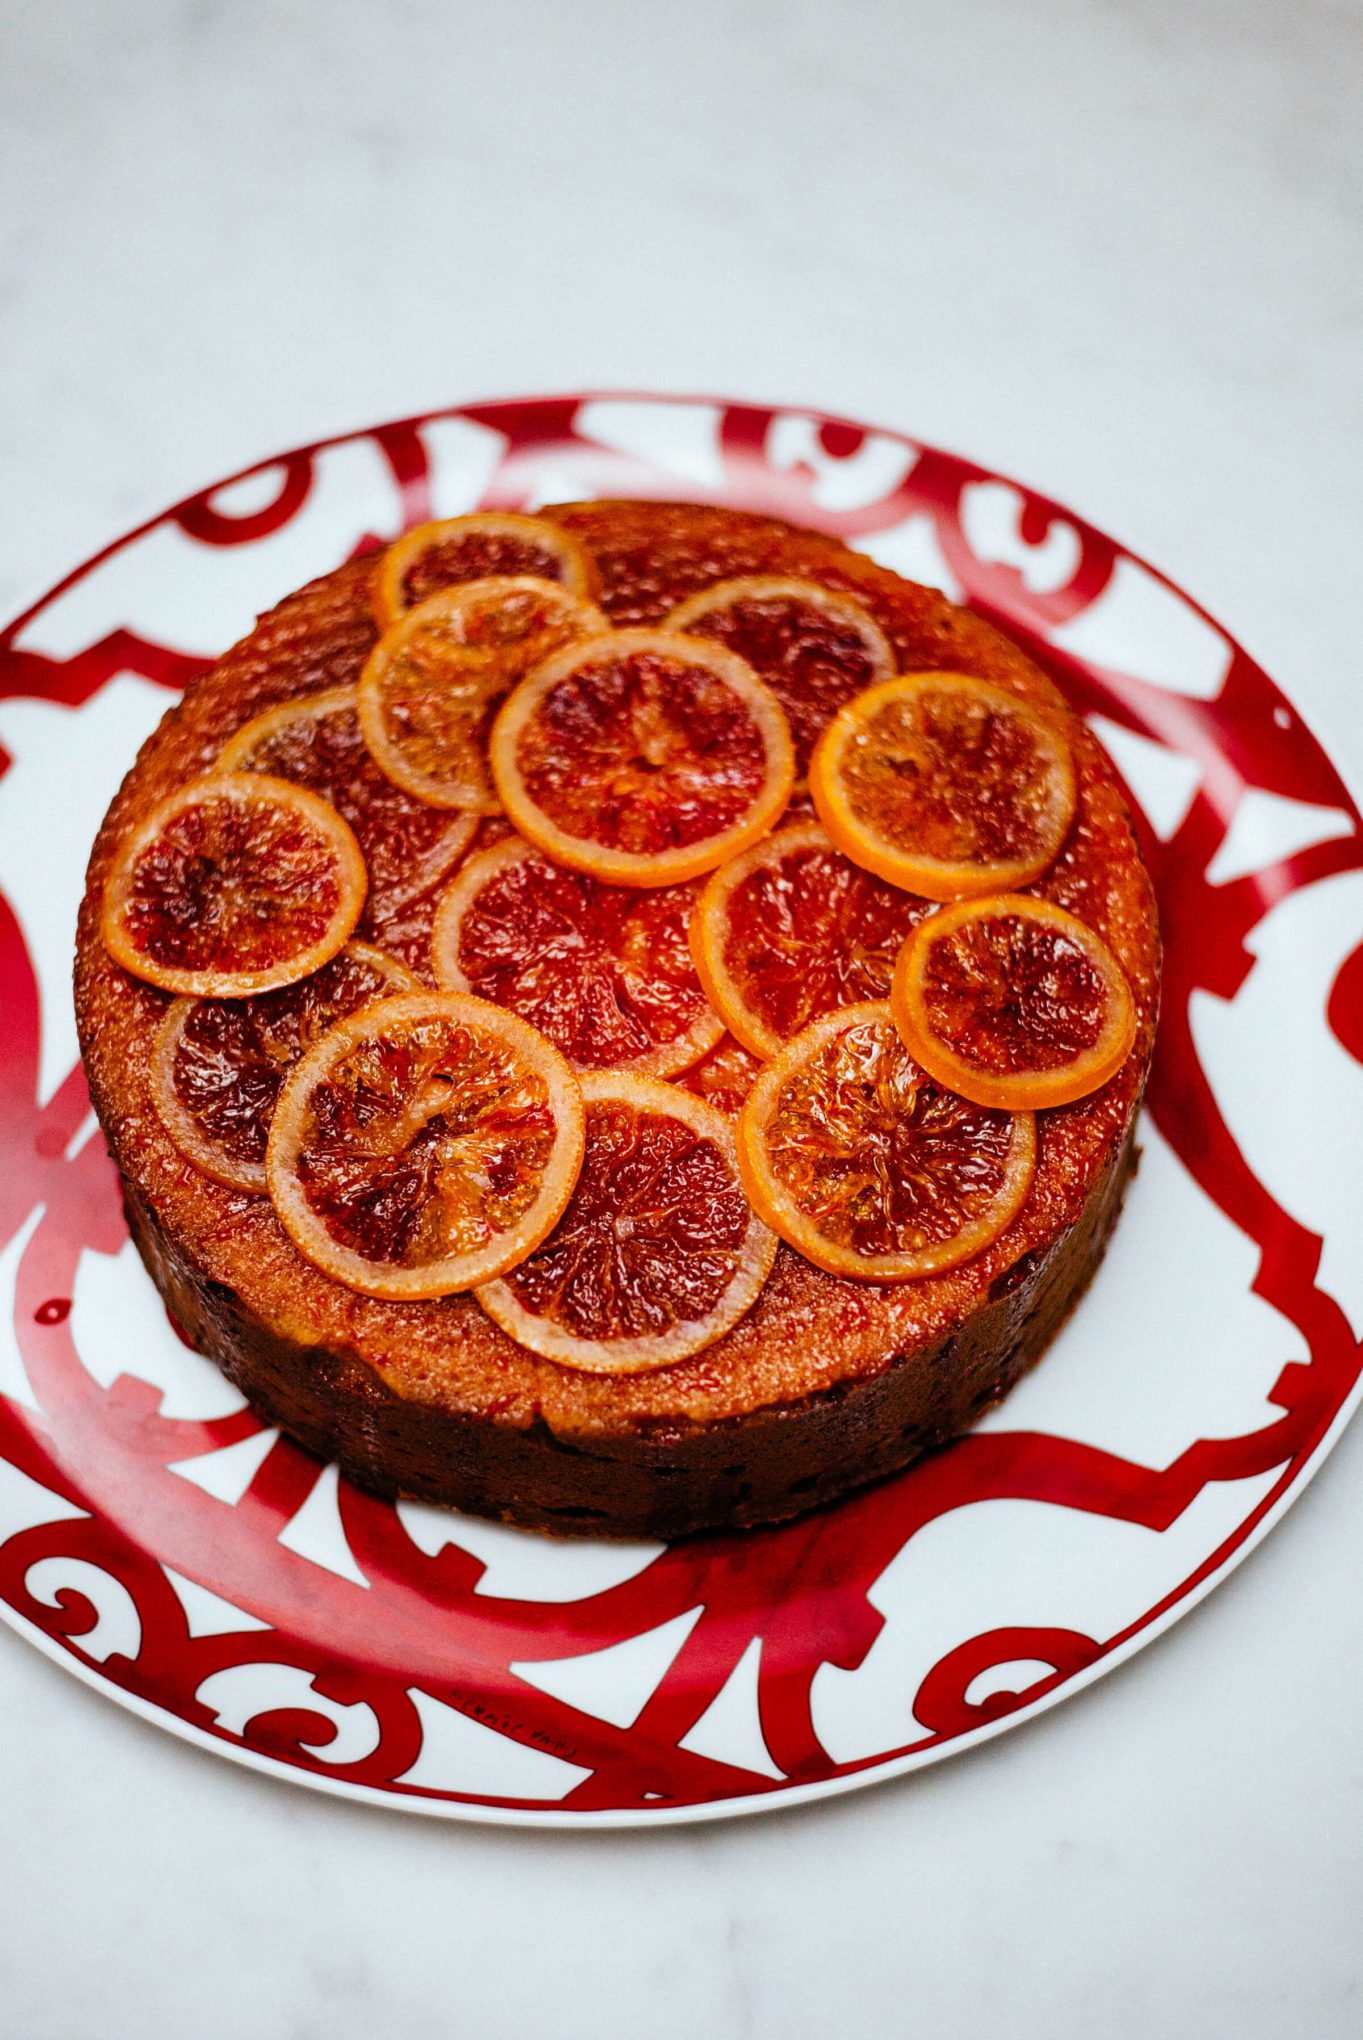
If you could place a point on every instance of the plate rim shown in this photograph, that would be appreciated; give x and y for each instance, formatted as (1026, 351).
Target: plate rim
(779, 1799)
(1180, 1601)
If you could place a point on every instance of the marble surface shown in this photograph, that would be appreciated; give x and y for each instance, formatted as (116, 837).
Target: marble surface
(1113, 248)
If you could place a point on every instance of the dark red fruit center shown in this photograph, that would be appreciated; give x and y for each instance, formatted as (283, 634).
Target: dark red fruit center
(425, 1142)
(232, 887)
(603, 970)
(811, 661)
(652, 1235)
(474, 557)
(642, 752)
(812, 933)
(950, 777)
(1010, 995)
(881, 1158)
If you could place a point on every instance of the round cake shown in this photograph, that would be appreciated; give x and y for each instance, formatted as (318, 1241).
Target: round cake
(751, 866)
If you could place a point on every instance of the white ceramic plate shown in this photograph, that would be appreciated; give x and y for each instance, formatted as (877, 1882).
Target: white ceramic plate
(163, 1545)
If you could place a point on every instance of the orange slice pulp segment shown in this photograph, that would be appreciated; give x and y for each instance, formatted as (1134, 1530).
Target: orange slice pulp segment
(424, 1145)
(642, 757)
(724, 1077)
(791, 929)
(473, 548)
(1013, 1002)
(866, 1165)
(815, 647)
(658, 1253)
(218, 1064)
(232, 885)
(437, 676)
(945, 785)
(603, 970)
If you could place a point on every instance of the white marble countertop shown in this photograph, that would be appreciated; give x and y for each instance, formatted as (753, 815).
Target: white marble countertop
(1112, 248)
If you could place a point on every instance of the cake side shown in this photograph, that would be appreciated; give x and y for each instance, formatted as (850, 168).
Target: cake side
(662, 1478)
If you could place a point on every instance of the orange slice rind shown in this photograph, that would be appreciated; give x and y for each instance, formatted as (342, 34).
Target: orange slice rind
(815, 647)
(789, 930)
(435, 678)
(868, 1167)
(218, 1065)
(1013, 1002)
(658, 1253)
(604, 971)
(642, 757)
(945, 785)
(255, 746)
(473, 548)
(232, 885)
(424, 1145)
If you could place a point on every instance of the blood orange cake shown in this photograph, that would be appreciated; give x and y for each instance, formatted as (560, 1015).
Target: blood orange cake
(629, 1020)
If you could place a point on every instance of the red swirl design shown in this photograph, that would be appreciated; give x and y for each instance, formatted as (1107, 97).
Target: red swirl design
(805, 1589)
(206, 521)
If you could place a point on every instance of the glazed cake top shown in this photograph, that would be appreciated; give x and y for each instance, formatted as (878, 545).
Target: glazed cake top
(807, 1329)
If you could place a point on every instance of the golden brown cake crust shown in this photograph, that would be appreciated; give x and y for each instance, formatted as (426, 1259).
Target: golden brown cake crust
(826, 1382)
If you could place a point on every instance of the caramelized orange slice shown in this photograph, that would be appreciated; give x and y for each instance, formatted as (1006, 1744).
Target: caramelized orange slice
(944, 785)
(435, 679)
(424, 1145)
(866, 1165)
(815, 647)
(1013, 1002)
(232, 885)
(642, 757)
(792, 929)
(316, 741)
(603, 970)
(433, 556)
(218, 1064)
(657, 1254)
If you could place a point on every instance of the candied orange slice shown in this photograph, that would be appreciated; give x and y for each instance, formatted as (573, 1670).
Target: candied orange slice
(1013, 1002)
(218, 1064)
(815, 647)
(658, 1252)
(792, 929)
(603, 970)
(436, 678)
(474, 548)
(424, 1145)
(409, 848)
(232, 885)
(643, 757)
(944, 785)
(866, 1165)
